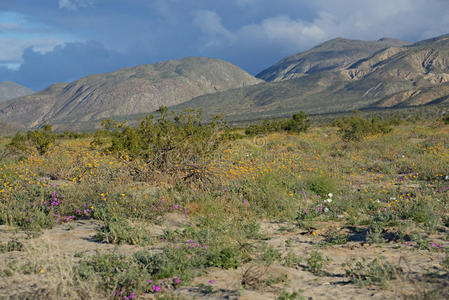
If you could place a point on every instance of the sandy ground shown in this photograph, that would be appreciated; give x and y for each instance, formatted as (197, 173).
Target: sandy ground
(69, 239)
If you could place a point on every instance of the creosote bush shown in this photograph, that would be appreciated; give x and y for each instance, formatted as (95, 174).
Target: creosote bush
(298, 123)
(356, 128)
(40, 140)
(180, 144)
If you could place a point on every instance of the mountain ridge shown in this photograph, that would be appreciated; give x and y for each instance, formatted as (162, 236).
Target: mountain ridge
(387, 77)
(10, 90)
(126, 91)
(336, 76)
(334, 53)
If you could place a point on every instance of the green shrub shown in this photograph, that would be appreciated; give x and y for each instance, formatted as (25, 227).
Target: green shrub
(290, 296)
(316, 262)
(182, 144)
(41, 140)
(376, 272)
(298, 123)
(321, 185)
(291, 260)
(356, 128)
(119, 231)
(226, 258)
(12, 245)
(270, 255)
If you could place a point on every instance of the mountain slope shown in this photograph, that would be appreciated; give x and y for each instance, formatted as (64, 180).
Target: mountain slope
(330, 55)
(10, 90)
(409, 75)
(140, 89)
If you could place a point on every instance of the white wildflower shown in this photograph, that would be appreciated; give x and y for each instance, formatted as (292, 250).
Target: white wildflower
(330, 195)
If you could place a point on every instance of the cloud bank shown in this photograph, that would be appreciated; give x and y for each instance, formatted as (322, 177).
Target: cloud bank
(58, 41)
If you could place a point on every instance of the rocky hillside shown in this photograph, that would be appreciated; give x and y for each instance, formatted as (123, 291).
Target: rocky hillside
(10, 90)
(333, 54)
(140, 89)
(336, 79)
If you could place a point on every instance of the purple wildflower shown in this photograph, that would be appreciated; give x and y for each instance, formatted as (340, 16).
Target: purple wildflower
(156, 288)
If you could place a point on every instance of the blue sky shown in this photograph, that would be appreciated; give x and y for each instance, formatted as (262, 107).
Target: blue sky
(49, 41)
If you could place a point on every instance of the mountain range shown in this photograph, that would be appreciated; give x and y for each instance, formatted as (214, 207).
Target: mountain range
(128, 91)
(336, 76)
(333, 78)
(10, 90)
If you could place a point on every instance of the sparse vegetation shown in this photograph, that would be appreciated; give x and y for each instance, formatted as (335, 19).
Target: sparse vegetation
(356, 128)
(175, 200)
(298, 123)
(376, 272)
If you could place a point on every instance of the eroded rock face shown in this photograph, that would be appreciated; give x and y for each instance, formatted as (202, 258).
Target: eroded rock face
(395, 72)
(129, 91)
(331, 55)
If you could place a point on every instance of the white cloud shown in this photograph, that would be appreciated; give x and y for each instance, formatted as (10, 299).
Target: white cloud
(210, 25)
(366, 20)
(11, 49)
(282, 30)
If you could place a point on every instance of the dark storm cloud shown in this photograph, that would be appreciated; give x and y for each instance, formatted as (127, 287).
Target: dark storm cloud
(67, 63)
(250, 33)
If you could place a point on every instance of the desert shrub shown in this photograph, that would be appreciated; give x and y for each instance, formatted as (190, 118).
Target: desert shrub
(182, 144)
(30, 207)
(40, 140)
(321, 185)
(72, 135)
(119, 231)
(12, 245)
(356, 128)
(418, 209)
(269, 255)
(298, 123)
(446, 119)
(291, 260)
(379, 222)
(267, 195)
(376, 272)
(225, 258)
(316, 262)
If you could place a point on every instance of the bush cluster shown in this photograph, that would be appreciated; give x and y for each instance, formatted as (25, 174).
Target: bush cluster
(180, 144)
(355, 128)
(40, 140)
(298, 123)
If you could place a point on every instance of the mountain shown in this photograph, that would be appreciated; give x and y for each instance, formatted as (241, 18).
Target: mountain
(140, 89)
(330, 55)
(337, 76)
(10, 90)
(334, 77)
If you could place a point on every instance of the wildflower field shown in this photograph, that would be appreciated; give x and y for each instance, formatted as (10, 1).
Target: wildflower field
(210, 212)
